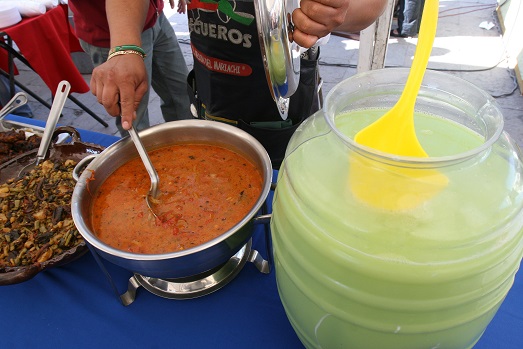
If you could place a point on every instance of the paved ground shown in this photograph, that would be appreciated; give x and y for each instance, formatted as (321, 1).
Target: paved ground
(462, 47)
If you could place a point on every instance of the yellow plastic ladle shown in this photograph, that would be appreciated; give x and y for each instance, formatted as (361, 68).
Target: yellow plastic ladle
(390, 186)
(394, 132)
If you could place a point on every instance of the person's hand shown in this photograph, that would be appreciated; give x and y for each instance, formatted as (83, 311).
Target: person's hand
(181, 6)
(315, 19)
(119, 85)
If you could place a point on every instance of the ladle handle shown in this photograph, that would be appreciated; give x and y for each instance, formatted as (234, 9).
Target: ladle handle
(18, 100)
(426, 37)
(146, 161)
(62, 92)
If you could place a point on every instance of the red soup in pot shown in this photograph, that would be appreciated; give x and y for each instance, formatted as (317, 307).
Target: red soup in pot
(204, 191)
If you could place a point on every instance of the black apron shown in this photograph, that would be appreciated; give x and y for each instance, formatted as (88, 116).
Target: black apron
(228, 81)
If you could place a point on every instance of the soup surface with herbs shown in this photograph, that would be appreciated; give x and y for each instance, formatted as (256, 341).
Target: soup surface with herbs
(204, 191)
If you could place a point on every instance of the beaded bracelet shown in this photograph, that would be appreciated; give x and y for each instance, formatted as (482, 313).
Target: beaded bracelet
(126, 48)
(125, 52)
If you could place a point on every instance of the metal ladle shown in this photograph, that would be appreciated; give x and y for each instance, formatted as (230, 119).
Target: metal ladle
(155, 181)
(17, 101)
(60, 97)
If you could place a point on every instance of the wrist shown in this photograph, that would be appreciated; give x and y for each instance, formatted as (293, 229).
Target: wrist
(126, 50)
(121, 48)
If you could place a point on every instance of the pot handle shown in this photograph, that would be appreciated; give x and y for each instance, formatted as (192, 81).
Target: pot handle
(262, 219)
(81, 165)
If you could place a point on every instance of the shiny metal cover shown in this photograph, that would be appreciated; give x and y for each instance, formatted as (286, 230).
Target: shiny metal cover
(281, 55)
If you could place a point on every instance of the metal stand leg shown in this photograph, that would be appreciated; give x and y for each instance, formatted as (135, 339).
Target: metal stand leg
(126, 298)
(268, 237)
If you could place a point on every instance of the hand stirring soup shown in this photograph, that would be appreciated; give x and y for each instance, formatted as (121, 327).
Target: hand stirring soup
(204, 191)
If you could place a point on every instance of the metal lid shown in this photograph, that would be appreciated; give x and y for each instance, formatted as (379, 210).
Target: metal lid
(281, 56)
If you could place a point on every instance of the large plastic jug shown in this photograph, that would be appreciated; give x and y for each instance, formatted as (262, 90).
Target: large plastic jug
(426, 267)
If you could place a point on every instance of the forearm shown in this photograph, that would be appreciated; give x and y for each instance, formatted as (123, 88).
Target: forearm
(317, 18)
(120, 83)
(361, 14)
(126, 20)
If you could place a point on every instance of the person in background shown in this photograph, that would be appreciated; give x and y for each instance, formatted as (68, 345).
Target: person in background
(181, 6)
(412, 17)
(224, 35)
(163, 62)
(399, 8)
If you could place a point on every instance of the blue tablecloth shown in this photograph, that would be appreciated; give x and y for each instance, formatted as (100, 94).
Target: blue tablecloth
(74, 307)
(86, 135)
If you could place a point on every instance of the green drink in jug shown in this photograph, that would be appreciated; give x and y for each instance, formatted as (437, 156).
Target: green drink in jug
(427, 271)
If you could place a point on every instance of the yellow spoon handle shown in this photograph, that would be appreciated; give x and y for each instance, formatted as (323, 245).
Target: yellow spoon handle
(394, 132)
(423, 49)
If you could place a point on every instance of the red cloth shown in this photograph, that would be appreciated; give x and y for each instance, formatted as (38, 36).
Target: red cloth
(4, 62)
(90, 20)
(46, 41)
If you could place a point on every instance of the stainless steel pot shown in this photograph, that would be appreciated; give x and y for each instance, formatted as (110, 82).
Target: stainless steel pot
(193, 261)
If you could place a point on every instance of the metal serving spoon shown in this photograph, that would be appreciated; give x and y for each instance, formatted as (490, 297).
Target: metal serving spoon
(155, 181)
(17, 101)
(60, 97)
